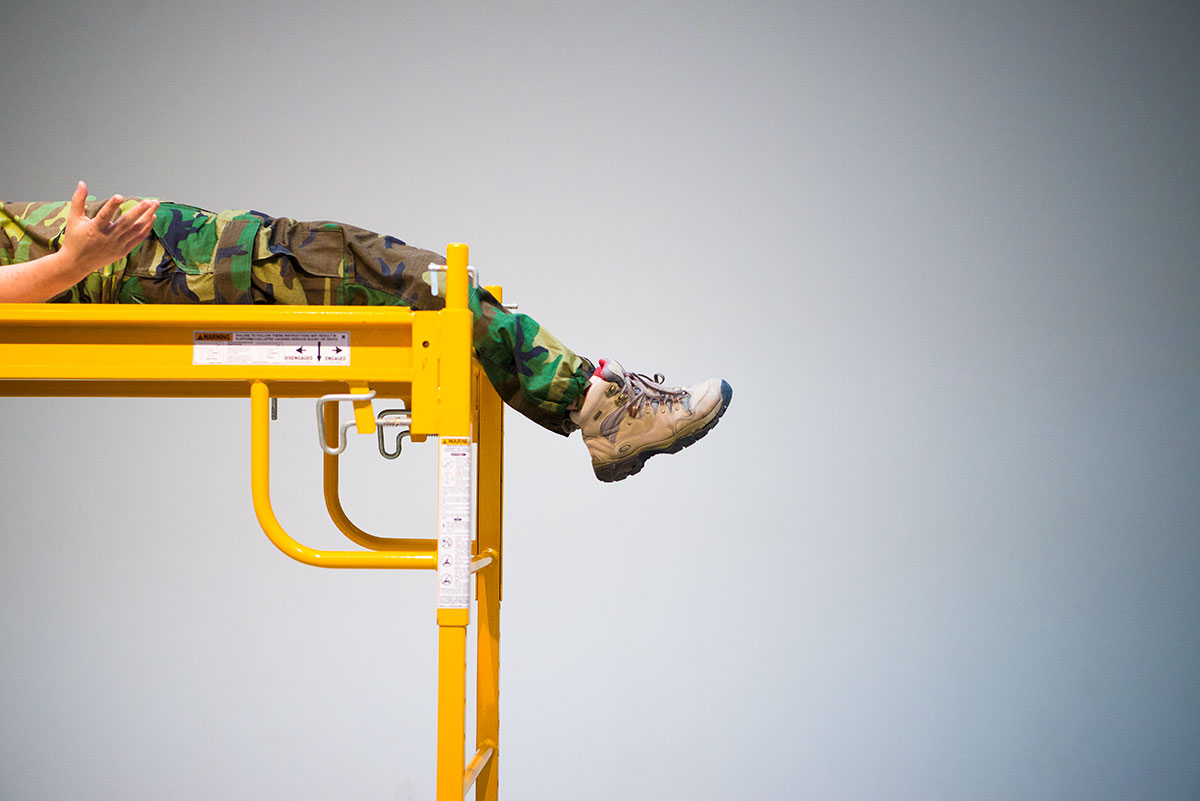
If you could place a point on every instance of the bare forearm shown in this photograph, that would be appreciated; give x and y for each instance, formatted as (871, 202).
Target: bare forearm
(41, 279)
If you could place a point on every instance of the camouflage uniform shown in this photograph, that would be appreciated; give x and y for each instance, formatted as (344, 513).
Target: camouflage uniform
(198, 256)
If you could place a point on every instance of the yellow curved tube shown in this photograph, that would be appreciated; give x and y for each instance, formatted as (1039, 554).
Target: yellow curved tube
(260, 485)
(333, 503)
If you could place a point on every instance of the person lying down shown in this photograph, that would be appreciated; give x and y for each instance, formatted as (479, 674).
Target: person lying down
(135, 250)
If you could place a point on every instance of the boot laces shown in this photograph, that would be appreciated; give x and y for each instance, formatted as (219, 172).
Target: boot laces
(644, 390)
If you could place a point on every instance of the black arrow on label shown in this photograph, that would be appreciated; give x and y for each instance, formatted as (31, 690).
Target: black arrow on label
(336, 349)
(318, 350)
(300, 349)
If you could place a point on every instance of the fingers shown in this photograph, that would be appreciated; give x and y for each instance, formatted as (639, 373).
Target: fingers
(140, 214)
(140, 221)
(113, 222)
(134, 225)
(77, 201)
(109, 214)
(109, 234)
(105, 216)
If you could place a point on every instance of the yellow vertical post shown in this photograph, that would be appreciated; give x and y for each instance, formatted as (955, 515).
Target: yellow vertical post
(487, 581)
(456, 346)
(452, 702)
(454, 534)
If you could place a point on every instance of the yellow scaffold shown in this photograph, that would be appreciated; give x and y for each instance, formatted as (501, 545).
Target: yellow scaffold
(336, 354)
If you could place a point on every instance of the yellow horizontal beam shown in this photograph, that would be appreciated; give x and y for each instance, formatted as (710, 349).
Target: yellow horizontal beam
(188, 313)
(59, 388)
(164, 343)
(205, 351)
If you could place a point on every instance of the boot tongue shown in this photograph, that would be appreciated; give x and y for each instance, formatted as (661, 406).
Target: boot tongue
(611, 371)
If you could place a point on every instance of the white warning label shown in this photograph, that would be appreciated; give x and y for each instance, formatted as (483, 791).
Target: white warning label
(271, 347)
(455, 522)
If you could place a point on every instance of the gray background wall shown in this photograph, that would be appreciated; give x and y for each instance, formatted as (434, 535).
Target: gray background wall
(943, 546)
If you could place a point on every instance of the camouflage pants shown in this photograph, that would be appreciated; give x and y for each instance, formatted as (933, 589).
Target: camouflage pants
(197, 256)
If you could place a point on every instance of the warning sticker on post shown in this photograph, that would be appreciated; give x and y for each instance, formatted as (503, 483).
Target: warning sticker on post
(271, 347)
(455, 522)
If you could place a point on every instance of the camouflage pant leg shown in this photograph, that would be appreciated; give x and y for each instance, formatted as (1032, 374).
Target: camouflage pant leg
(196, 256)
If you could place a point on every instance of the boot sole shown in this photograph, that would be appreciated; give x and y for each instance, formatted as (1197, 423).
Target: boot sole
(619, 471)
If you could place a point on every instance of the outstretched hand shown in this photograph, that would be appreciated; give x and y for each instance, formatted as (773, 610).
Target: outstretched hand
(93, 242)
(88, 245)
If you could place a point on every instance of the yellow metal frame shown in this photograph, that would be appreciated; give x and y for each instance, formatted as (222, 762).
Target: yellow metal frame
(422, 357)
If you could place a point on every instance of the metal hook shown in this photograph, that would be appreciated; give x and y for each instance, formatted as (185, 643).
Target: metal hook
(321, 401)
(382, 421)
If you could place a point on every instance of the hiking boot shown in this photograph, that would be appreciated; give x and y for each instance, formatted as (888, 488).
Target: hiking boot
(628, 417)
